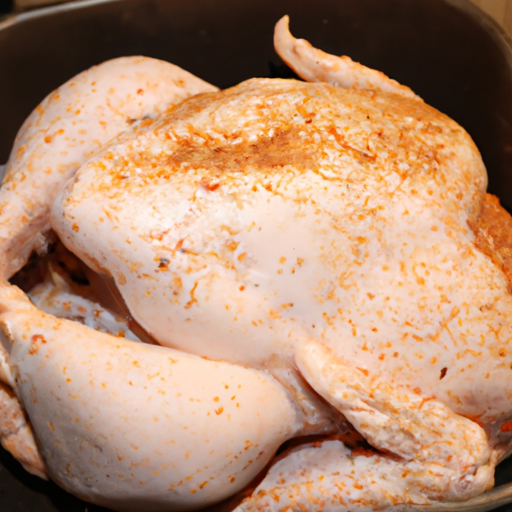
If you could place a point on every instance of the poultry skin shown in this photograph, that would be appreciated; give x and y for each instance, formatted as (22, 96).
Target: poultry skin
(304, 258)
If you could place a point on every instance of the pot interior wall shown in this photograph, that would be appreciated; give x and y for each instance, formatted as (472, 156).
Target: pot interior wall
(447, 51)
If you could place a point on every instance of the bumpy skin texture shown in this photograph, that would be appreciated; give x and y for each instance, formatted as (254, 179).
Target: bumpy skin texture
(278, 212)
(67, 128)
(362, 205)
(70, 126)
(118, 420)
(282, 236)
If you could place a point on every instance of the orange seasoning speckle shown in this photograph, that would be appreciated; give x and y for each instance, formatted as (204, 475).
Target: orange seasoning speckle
(36, 341)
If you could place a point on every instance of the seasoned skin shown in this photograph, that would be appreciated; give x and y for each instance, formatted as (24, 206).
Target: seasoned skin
(280, 212)
(121, 422)
(493, 232)
(69, 127)
(16, 435)
(182, 179)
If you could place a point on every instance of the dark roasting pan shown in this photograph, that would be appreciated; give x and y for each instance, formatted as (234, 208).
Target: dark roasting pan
(447, 51)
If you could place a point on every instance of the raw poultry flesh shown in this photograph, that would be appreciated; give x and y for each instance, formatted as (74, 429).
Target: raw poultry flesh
(312, 265)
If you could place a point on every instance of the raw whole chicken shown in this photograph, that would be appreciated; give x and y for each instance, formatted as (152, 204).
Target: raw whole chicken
(312, 269)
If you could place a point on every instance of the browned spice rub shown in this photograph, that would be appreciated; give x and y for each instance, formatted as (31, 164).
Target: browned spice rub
(493, 231)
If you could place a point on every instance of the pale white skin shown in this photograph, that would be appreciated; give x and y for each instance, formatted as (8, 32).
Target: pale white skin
(266, 236)
(72, 124)
(66, 129)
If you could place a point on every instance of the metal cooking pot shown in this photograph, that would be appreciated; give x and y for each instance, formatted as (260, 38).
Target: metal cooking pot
(448, 51)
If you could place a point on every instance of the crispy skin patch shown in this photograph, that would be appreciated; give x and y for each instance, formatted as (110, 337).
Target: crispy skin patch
(493, 231)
